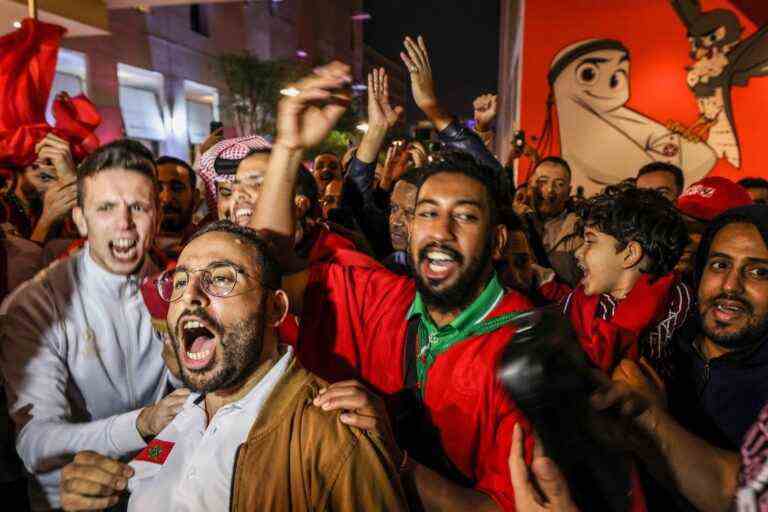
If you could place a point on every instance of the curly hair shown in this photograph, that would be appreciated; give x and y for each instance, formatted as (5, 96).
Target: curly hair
(643, 216)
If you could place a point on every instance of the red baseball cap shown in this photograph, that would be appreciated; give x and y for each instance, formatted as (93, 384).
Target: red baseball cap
(708, 198)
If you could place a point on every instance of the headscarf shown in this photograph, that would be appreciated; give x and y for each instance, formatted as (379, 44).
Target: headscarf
(220, 162)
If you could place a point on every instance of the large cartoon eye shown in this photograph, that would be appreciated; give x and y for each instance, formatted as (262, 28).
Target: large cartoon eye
(587, 73)
(618, 80)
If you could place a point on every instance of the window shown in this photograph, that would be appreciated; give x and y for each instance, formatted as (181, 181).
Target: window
(69, 78)
(199, 117)
(198, 19)
(142, 116)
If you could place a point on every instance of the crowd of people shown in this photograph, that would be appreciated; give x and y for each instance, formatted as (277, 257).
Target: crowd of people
(256, 331)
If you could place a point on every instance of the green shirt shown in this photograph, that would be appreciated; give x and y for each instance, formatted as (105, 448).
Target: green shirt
(434, 340)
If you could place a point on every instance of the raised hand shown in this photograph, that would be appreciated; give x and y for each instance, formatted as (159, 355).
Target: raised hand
(56, 150)
(416, 59)
(57, 203)
(93, 482)
(485, 111)
(306, 118)
(380, 112)
(153, 419)
(362, 409)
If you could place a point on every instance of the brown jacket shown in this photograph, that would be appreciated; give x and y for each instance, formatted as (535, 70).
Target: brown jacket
(300, 458)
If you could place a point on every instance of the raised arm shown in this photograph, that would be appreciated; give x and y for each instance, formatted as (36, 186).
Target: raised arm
(381, 118)
(704, 474)
(450, 132)
(303, 121)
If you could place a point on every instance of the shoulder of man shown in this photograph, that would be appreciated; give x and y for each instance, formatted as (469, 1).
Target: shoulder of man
(40, 288)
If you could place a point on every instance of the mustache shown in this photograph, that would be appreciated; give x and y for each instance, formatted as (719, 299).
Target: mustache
(203, 315)
(733, 297)
(456, 255)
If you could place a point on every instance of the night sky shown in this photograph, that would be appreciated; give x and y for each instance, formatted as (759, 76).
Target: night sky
(462, 37)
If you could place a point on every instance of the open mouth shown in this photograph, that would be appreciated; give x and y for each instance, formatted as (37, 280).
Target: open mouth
(124, 249)
(198, 344)
(439, 264)
(729, 310)
(242, 214)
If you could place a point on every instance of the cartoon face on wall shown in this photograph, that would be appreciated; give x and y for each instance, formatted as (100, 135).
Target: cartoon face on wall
(613, 95)
(605, 141)
(599, 80)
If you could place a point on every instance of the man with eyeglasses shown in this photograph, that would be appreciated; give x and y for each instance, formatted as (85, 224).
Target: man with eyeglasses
(248, 437)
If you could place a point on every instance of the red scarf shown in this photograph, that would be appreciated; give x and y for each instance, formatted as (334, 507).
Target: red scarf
(608, 341)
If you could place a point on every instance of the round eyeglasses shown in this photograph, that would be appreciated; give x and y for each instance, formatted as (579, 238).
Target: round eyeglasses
(216, 280)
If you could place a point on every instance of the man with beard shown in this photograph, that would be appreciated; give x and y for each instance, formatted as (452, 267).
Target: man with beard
(555, 223)
(721, 374)
(178, 199)
(428, 345)
(248, 437)
(81, 363)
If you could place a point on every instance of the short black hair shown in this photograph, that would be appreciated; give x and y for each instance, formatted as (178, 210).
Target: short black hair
(269, 271)
(126, 154)
(411, 176)
(641, 215)
(753, 182)
(178, 161)
(665, 167)
(307, 186)
(458, 162)
(557, 160)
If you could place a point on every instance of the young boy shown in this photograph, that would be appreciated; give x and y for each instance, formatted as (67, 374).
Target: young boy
(629, 302)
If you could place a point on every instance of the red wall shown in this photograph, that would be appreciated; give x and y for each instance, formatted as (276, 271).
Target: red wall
(659, 50)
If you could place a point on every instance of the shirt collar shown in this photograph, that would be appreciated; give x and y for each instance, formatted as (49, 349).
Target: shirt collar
(117, 286)
(474, 313)
(255, 398)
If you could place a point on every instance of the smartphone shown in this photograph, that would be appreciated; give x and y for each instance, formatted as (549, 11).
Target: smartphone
(215, 125)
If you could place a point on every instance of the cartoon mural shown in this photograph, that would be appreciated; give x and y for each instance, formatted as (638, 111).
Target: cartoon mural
(603, 139)
(721, 60)
(620, 89)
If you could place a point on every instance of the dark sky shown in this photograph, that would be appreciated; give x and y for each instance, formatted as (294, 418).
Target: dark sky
(462, 37)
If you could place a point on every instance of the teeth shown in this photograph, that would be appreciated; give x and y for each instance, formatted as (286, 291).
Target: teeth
(192, 324)
(243, 212)
(198, 356)
(438, 256)
(124, 243)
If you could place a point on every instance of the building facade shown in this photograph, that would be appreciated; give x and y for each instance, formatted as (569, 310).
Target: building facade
(154, 75)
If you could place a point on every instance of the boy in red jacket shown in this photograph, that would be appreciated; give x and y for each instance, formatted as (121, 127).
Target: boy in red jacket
(629, 302)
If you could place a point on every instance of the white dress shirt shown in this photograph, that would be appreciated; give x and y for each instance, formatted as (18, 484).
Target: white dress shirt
(197, 474)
